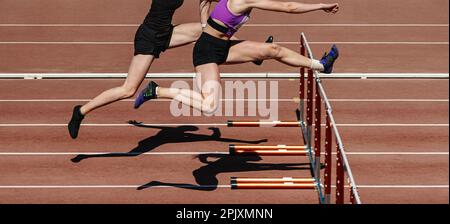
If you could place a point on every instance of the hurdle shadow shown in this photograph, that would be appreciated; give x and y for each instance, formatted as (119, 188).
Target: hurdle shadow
(206, 176)
(167, 135)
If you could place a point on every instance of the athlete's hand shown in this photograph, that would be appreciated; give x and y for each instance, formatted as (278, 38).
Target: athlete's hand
(331, 8)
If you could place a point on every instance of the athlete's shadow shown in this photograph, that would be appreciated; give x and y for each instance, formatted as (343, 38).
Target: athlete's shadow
(206, 176)
(167, 135)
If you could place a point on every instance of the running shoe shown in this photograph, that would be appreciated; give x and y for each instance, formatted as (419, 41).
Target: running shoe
(269, 41)
(328, 60)
(75, 122)
(146, 94)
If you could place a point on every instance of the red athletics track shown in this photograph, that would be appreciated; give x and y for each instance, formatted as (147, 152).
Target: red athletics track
(395, 131)
(373, 168)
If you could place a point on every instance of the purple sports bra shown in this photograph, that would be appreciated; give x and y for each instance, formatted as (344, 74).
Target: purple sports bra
(223, 14)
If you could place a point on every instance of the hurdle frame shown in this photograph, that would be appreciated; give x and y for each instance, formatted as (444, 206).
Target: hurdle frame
(306, 125)
(342, 165)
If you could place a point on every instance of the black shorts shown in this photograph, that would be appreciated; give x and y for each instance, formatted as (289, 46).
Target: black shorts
(210, 49)
(148, 41)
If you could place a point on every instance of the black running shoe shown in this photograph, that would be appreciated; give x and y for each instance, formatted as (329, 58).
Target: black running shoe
(75, 122)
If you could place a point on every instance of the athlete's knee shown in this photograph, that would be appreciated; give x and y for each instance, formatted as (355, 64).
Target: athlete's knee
(128, 91)
(271, 50)
(210, 108)
(193, 32)
(210, 105)
(197, 31)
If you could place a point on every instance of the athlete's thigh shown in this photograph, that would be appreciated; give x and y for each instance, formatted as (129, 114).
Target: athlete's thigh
(185, 34)
(246, 51)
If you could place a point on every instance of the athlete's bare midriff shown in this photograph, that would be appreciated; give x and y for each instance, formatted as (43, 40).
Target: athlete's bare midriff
(213, 32)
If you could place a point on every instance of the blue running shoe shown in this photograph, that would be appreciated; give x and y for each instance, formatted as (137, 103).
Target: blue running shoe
(329, 59)
(146, 94)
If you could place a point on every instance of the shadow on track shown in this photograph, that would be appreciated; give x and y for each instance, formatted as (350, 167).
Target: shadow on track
(206, 176)
(167, 135)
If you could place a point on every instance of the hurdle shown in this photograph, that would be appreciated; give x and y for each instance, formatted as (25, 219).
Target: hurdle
(316, 92)
(313, 102)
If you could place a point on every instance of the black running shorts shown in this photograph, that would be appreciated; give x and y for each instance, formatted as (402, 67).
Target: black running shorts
(148, 41)
(210, 49)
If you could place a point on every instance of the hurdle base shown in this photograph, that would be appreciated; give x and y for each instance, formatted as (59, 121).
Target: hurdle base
(272, 183)
(255, 124)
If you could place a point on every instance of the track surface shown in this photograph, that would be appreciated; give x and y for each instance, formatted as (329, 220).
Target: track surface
(395, 131)
(395, 156)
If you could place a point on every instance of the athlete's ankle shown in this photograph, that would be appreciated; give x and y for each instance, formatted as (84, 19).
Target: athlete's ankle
(82, 111)
(317, 65)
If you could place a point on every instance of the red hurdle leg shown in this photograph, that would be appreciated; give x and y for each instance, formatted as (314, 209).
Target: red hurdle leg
(310, 93)
(339, 177)
(309, 107)
(328, 159)
(317, 130)
(302, 78)
(352, 196)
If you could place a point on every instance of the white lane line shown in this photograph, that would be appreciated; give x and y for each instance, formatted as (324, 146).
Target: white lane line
(345, 25)
(392, 125)
(202, 153)
(217, 124)
(102, 153)
(190, 75)
(234, 100)
(204, 186)
(68, 42)
(102, 186)
(247, 25)
(399, 153)
(389, 100)
(403, 186)
(81, 25)
(108, 125)
(371, 43)
(156, 100)
(282, 43)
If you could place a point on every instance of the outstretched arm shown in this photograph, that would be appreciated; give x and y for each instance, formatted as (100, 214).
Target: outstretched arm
(292, 7)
